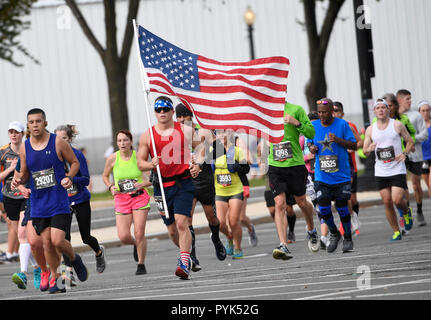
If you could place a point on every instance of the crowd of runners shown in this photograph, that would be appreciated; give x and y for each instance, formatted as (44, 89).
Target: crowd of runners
(45, 182)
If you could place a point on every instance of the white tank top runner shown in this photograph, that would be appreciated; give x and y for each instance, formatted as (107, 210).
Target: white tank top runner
(388, 146)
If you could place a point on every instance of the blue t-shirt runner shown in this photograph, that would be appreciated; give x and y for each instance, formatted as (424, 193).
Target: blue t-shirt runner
(332, 160)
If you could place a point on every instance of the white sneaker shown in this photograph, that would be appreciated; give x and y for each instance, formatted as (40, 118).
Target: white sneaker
(354, 220)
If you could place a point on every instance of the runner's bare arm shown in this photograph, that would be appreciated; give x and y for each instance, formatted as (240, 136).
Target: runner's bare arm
(22, 176)
(399, 127)
(369, 146)
(144, 153)
(109, 165)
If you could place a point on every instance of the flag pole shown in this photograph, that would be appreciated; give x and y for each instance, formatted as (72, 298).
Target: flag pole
(145, 87)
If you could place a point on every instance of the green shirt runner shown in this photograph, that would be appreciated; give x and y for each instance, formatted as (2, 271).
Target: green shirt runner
(291, 134)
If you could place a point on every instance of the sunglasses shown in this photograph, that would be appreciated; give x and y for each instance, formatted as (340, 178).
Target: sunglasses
(324, 102)
(164, 109)
(336, 110)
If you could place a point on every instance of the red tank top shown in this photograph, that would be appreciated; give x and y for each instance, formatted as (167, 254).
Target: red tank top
(173, 151)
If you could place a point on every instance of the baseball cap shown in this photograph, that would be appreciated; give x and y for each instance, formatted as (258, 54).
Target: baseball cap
(16, 125)
(182, 111)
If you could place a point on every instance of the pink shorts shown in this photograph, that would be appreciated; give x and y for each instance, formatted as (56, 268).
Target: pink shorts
(125, 204)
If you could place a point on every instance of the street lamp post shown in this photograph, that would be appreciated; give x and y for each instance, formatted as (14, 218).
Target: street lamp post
(249, 18)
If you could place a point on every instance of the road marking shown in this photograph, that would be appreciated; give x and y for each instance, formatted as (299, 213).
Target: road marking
(367, 289)
(393, 294)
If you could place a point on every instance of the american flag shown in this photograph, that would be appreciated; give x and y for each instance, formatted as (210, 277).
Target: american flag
(246, 96)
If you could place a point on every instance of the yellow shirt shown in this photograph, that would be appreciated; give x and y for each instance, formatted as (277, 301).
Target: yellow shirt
(227, 183)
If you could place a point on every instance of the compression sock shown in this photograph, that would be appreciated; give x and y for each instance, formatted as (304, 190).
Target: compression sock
(345, 220)
(192, 231)
(24, 256)
(326, 214)
(185, 258)
(291, 220)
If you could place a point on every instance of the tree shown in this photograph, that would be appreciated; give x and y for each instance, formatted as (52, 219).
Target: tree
(12, 24)
(114, 61)
(318, 44)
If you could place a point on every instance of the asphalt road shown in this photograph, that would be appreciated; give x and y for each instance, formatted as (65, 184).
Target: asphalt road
(377, 270)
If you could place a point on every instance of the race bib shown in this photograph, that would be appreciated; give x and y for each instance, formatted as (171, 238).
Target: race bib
(386, 154)
(44, 179)
(329, 164)
(224, 179)
(282, 151)
(159, 203)
(73, 190)
(8, 189)
(127, 186)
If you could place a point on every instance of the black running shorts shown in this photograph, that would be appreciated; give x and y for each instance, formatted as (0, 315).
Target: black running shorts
(290, 199)
(291, 180)
(414, 167)
(205, 195)
(59, 221)
(399, 181)
(13, 207)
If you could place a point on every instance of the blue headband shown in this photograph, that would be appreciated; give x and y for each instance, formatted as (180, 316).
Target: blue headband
(162, 103)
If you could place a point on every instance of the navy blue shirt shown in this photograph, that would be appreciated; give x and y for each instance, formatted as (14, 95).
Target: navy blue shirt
(81, 180)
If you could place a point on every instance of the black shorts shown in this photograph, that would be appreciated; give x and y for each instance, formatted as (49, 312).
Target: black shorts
(206, 195)
(342, 191)
(426, 166)
(290, 199)
(13, 207)
(399, 181)
(59, 221)
(414, 167)
(291, 180)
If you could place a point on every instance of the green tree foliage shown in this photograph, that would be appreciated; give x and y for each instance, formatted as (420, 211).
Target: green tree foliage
(13, 22)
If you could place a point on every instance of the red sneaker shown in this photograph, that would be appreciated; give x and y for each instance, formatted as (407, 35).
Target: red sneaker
(44, 280)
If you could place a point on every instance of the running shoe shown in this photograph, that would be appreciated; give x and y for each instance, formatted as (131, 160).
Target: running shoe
(322, 245)
(421, 219)
(402, 225)
(229, 247)
(291, 238)
(334, 238)
(100, 261)
(36, 277)
(219, 247)
(20, 279)
(281, 252)
(195, 264)
(347, 244)
(313, 241)
(80, 268)
(238, 254)
(44, 280)
(252, 237)
(135, 254)
(408, 220)
(396, 236)
(3, 257)
(141, 269)
(56, 286)
(183, 271)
